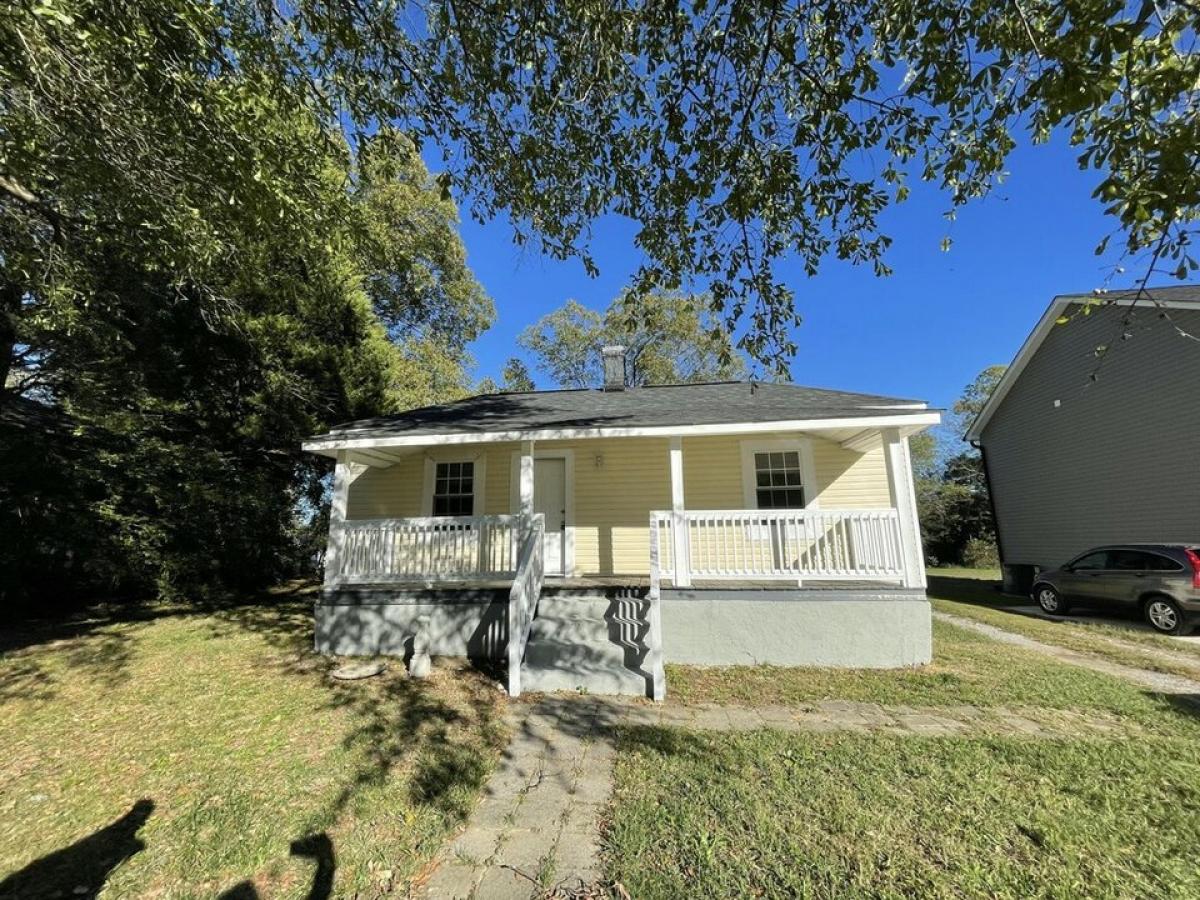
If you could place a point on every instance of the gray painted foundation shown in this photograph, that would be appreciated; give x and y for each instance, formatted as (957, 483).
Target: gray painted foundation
(859, 629)
(370, 621)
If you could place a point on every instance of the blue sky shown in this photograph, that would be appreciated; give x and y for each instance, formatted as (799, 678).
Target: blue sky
(923, 332)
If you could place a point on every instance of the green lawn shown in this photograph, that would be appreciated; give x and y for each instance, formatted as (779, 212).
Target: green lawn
(1114, 640)
(180, 754)
(968, 668)
(825, 815)
(769, 814)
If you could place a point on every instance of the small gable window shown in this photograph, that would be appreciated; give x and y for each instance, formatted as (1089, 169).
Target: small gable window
(778, 483)
(454, 489)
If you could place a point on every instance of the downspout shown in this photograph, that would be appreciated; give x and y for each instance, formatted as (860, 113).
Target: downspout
(987, 480)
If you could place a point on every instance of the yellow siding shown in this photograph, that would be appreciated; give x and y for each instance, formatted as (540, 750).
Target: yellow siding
(394, 492)
(398, 491)
(712, 473)
(618, 481)
(497, 499)
(850, 480)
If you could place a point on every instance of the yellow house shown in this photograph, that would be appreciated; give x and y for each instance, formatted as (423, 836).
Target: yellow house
(587, 535)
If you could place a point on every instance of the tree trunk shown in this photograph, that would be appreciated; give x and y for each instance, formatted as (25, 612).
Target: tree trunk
(10, 307)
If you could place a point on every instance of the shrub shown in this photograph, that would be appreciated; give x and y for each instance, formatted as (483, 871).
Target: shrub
(981, 553)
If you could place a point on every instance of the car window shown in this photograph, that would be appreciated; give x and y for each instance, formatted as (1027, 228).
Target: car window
(1096, 560)
(1128, 560)
(1156, 562)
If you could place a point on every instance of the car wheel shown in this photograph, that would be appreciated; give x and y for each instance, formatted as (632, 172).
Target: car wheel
(1165, 616)
(1050, 600)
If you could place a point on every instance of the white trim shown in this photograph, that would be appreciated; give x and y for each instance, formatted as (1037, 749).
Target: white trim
(567, 455)
(916, 421)
(338, 505)
(479, 493)
(808, 469)
(1038, 336)
(904, 499)
(680, 550)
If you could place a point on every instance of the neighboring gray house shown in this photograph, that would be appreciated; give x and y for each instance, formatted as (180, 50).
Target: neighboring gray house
(589, 536)
(1093, 434)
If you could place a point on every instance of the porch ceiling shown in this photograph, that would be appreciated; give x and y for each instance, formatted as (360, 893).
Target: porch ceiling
(379, 457)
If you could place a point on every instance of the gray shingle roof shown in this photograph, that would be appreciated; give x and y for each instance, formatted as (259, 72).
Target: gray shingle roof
(660, 405)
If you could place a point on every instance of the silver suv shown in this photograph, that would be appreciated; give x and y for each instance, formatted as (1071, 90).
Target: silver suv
(1162, 581)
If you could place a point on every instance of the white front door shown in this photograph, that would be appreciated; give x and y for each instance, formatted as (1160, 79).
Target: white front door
(550, 499)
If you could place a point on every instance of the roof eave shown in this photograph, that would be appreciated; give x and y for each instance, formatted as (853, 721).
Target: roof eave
(911, 419)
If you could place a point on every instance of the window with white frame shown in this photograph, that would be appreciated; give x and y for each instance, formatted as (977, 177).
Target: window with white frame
(454, 489)
(778, 479)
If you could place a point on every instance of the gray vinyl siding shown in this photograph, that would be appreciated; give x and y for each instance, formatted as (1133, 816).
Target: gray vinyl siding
(1119, 458)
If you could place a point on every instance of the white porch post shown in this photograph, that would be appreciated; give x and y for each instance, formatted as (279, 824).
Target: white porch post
(337, 520)
(904, 499)
(679, 535)
(526, 484)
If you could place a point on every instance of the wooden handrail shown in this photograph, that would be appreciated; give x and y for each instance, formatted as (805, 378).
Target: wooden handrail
(654, 636)
(523, 598)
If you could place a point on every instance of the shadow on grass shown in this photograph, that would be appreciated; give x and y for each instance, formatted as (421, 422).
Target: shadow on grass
(81, 869)
(1188, 704)
(977, 591)
(100, 653)
(987, 593)
(318, 848)
(99, 642)
(443, 733)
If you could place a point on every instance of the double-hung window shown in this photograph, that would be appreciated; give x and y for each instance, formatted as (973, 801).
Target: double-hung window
(454, 489)
(778, 480)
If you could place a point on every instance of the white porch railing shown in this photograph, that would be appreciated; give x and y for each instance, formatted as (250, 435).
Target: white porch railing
(428, 549)
(792, 545)
(523, 599)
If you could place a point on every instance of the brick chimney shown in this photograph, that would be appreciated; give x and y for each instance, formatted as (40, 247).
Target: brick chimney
(614, 367)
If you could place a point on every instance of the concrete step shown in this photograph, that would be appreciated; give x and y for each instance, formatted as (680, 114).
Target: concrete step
(574, 655)
(586, 642)
(545, 679)
(594, 606)
(589, 630)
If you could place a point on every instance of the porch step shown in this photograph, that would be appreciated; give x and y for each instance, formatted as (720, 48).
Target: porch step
(586, 642)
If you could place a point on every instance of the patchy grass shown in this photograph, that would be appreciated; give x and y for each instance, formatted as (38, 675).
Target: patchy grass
(182, 754)
(968, 668)
(781, 814)
(1120, 643)
(773, 814)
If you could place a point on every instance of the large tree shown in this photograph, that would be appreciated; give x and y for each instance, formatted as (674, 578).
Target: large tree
(669, 338)
(952, 490)
(195, 274)
(733, 133)
(182, 185)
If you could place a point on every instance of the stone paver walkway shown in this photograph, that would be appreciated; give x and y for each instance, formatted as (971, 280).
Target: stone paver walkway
(538, 824)
(1186, 688)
